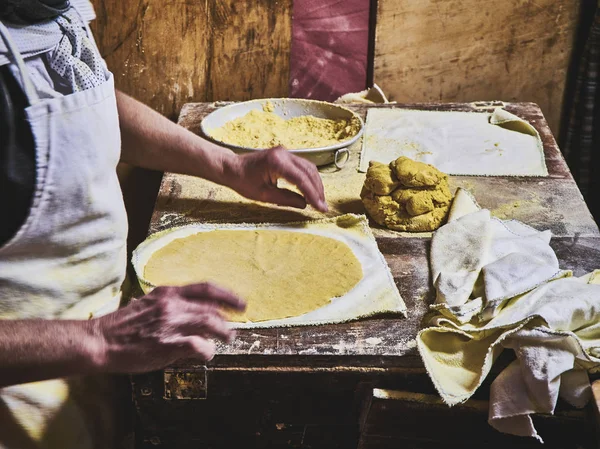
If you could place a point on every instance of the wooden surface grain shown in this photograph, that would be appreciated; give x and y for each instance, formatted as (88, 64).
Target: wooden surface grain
(470, 50)
(168, 53)
(551, 202)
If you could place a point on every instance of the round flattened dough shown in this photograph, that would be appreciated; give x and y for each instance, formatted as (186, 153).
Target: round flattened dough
(280, 274)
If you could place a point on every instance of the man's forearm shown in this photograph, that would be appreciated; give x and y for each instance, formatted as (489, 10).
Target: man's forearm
(167, 324)
(152, 141)
(34, 350)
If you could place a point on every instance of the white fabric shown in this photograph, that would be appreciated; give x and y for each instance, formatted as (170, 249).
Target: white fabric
(32, 40)
(75, 58)
(68, 259)
(375, 293)
(499, 286)
(457, 143)
(64, 61)
(493, 260)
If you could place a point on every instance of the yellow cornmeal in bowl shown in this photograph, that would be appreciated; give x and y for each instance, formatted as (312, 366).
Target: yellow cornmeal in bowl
(265, 129)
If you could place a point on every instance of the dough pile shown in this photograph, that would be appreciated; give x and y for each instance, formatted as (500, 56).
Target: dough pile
(406, 195)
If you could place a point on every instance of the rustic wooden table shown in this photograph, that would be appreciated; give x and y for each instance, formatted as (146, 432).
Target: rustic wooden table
(360, 383)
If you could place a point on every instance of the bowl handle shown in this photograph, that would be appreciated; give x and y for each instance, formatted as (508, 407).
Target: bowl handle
(338, 155)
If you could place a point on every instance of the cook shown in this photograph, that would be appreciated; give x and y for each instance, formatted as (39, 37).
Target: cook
(63, 226)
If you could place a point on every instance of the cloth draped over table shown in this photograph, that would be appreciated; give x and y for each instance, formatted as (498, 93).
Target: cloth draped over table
(499, 286)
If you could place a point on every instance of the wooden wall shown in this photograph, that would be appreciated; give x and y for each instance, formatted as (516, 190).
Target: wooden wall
(467, 50)
(168, 53)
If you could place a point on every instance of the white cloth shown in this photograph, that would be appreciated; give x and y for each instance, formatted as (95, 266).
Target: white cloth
(68, 259)
(458, 143)
(76, 58)
(60, 55)
(479, 262)
(499, 286)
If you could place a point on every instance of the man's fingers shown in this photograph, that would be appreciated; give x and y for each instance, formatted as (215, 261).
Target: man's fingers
(210, 292)
(311, 191)
(311, 171)
(299, 172)
(208, 326)
(283, 197)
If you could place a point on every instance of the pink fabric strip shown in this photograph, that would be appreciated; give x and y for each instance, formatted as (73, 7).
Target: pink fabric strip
(329, 48)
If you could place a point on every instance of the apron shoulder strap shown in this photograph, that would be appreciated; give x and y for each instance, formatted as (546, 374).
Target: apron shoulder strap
(28, 86)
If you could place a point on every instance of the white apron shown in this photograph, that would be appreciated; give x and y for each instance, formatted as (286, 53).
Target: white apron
(68, 259)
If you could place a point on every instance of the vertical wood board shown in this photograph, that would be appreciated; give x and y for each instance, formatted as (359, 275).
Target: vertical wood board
(470, 50)
(168, 53)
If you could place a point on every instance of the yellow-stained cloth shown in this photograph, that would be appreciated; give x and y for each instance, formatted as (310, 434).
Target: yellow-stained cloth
(499, 286)
(374, 293)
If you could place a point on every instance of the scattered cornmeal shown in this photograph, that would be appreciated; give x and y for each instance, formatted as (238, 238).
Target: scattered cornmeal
(406, 195)
(280, 274)
(265, 129)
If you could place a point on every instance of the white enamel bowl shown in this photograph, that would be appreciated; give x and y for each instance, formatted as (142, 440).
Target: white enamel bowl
(288, 108)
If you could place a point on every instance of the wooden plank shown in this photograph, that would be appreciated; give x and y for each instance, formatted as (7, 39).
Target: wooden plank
(168, 53)
(470, 50)
(405, 419)
(595, 406)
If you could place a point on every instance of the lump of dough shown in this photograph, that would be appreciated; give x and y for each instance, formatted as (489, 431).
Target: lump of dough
(420, 223)
(419, 204)
(416, 200)
(416, 174)
(379, 207)
(381, 179)
(389, 213)
(440, 194)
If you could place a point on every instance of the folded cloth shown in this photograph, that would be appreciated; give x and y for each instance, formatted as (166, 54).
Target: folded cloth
(499, 286)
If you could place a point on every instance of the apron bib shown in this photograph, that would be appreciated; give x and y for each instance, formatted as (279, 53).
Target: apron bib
(68, 259)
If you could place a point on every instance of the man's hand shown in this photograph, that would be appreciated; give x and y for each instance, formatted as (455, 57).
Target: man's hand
(255, 176)
(168, 324)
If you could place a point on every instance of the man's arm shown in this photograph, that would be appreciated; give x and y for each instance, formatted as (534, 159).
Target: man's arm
(168, 324)
(152, 141)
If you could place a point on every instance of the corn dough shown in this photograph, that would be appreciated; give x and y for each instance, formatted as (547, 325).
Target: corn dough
(265, 129)
(280, 274)
(406, 195)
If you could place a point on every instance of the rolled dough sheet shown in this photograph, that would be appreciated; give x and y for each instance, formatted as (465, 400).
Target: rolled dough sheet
(317, 272)
(457, 143)
(263, 267)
